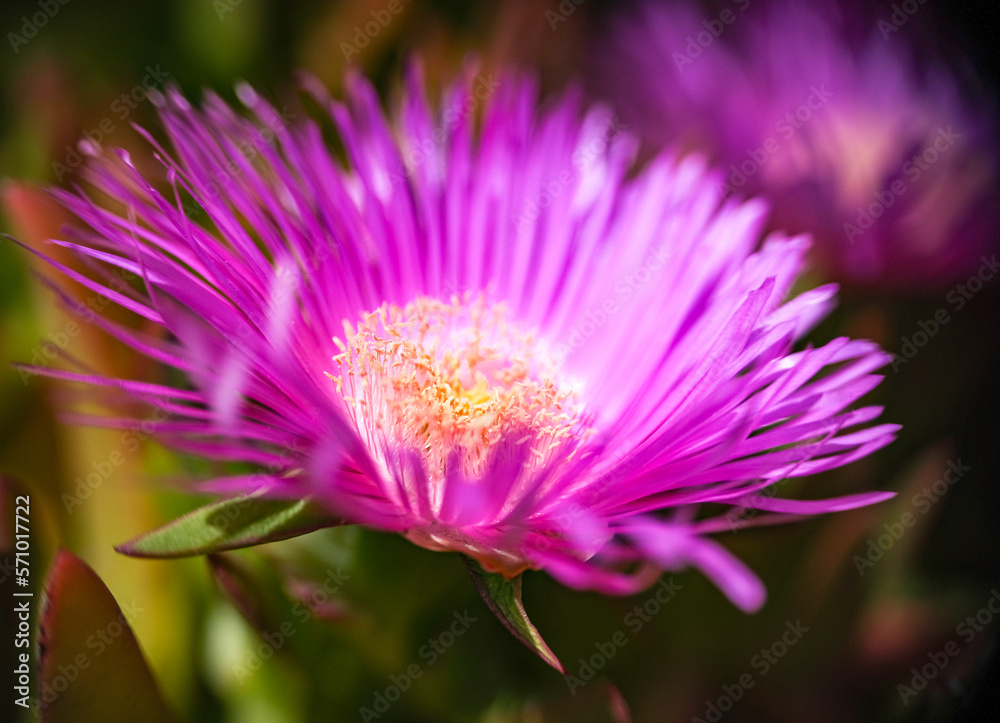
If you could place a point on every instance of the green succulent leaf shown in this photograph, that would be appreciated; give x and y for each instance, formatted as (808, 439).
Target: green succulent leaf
(230, 525)
(91, 667)
(503, 597)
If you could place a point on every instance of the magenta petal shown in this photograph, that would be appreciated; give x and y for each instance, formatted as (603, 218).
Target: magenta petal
(817, 507)
(734, 578)
(674, 546)
(418, 331)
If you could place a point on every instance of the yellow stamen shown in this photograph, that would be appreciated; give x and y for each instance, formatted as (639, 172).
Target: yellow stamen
(452, 380)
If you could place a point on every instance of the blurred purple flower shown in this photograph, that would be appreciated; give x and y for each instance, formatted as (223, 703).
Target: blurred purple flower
(492, 336)
(888, 165)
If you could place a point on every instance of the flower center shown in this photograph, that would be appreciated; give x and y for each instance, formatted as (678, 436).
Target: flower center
(452, 381)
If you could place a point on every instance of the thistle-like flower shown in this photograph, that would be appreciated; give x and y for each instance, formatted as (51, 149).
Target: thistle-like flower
(483, 327)
(888, 160)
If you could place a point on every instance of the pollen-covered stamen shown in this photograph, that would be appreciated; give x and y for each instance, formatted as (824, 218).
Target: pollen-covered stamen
(452, 380)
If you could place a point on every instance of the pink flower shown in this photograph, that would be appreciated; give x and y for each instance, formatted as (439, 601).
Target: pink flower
(892, 168)
(484, 328)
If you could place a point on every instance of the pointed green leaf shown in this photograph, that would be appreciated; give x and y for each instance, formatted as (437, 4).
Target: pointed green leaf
(229, 525)
(503, 597)
(91, 667)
